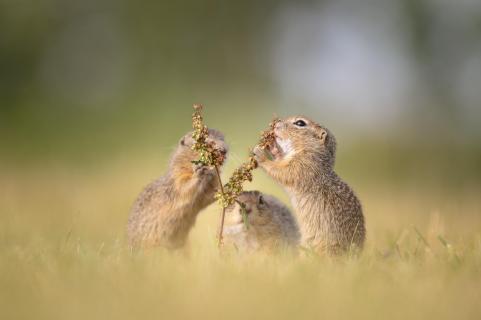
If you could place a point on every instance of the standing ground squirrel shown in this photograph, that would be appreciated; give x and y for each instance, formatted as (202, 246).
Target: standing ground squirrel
(329, 214)
(166, 209)
(270, 226)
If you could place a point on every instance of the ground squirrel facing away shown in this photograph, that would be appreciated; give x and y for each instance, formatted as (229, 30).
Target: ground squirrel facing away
(166, 209)
(270, 226)
(302, 160)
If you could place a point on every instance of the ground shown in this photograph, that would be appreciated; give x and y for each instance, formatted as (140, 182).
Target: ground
(63, 256)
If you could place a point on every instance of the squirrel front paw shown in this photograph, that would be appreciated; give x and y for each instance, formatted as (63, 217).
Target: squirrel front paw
(203, 170)
(200, 169)
(260, 154)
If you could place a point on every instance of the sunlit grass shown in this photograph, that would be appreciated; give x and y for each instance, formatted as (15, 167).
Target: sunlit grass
(63, 256)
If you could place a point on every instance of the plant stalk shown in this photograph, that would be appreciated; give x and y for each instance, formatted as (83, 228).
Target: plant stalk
(222, 217)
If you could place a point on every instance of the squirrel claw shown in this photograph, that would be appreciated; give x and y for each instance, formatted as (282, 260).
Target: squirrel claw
(259, 154)
(201, 169)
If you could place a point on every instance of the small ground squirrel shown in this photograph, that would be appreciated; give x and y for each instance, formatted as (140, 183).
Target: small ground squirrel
(270, 225)
(302, 160)
(166, 209)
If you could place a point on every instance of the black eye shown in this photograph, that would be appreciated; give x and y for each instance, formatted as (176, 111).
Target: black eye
(300, 123)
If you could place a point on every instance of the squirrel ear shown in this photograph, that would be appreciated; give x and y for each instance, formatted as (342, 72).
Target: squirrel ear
(261, 200)
(323, 135)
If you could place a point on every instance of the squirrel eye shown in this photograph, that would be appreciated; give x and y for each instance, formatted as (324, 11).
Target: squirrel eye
(300, 123)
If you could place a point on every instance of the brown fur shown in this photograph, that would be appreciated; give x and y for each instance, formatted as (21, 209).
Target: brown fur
(166, 210)
(270, 225)
(329, 213)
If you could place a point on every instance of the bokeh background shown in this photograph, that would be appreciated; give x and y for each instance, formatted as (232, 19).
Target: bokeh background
(94, 95)
(86, 80)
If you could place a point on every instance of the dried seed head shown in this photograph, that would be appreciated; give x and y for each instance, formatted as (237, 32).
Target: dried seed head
(209, 155)
(268, 137)
(234, 188)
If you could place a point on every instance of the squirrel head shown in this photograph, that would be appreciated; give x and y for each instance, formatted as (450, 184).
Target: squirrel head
(254, 205)
(182, 161)
(215, 137)
(299, 138)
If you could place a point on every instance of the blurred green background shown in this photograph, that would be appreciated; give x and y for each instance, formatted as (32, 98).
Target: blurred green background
(97, 93)
(94, 96)
(86, 83)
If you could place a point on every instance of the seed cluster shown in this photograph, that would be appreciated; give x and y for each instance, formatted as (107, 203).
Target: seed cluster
(208, 154)
(268, 137)
(234, 188)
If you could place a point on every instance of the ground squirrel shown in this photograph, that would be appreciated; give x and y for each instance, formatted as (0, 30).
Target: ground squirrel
(166, 209)
(302, 160)
(270, 226)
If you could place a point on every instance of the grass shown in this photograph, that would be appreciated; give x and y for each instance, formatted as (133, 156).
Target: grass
(63, 256)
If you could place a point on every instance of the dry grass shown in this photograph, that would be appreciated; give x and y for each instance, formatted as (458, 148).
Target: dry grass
(62, 256)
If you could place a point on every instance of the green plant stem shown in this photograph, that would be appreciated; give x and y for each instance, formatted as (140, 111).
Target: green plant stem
(222, 217)
(244, 214)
